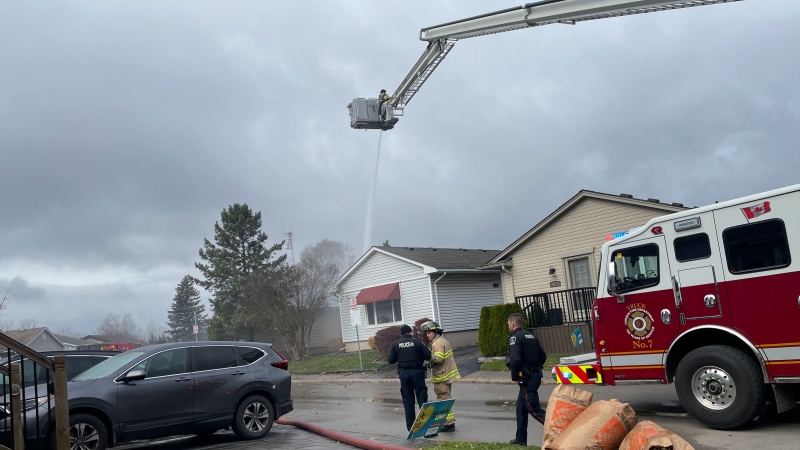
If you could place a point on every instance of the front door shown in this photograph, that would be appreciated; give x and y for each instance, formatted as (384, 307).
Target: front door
(162, 403)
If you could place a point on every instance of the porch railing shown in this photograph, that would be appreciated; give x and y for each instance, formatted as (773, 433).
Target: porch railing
(549, 309)
(20, 425)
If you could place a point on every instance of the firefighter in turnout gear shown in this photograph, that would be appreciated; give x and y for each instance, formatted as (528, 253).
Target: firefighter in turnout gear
(525, 359)
(443, 369)
(410, 353)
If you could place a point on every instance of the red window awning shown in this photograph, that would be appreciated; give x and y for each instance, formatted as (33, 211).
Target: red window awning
(379, 294)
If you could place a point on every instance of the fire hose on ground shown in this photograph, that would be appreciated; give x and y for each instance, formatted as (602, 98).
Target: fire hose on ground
(335, 435)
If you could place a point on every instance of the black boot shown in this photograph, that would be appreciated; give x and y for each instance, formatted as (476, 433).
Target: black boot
(516, 442)
(449, 428)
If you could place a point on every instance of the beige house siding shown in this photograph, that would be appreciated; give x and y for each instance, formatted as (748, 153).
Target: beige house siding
(578, 232)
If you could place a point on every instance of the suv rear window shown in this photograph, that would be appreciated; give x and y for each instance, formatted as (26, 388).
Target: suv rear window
(249, 355)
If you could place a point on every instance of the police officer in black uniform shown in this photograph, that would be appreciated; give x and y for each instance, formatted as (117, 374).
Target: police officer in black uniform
(409, 353)
(525, 359)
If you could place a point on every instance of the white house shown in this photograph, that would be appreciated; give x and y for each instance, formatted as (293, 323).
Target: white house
(391, 286)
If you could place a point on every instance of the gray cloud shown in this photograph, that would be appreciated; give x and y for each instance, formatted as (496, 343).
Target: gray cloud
(124, 131)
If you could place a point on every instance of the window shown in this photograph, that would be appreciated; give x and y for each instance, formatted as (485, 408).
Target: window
(213, 357)
(77, 365)
(756, 246)
(170, 362)
(636, 267)
(249, 355)
(694, 246)
(387, 311)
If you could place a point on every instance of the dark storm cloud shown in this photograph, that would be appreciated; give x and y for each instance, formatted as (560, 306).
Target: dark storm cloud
(19, 289)
(126, 128)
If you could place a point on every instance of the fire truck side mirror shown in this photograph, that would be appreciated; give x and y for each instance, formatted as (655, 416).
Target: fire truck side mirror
(612, 278)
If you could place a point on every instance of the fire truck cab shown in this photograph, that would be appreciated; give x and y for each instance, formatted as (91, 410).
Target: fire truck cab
(709, 299)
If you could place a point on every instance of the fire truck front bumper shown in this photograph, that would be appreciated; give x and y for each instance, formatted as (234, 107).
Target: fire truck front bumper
(580, 369)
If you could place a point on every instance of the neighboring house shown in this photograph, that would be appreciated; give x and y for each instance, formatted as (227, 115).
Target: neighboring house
(391, 286)
(111, 342)
(71, 343)
(551, 270)
(39, 339)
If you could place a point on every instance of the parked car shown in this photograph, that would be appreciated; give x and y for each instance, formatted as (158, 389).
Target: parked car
(169, 390)
(76, 362)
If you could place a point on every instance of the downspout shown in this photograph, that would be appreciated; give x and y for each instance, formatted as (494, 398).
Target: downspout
(513, 291)
(436, 299)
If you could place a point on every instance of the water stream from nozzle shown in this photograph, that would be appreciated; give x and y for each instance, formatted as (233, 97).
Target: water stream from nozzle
(368, 229)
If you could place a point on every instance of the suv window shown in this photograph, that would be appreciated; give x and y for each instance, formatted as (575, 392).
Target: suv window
(249, 355)
(77, 365)
(169, 362)
(213, 357)
(756, 246)
(694, 246)
(636, 267)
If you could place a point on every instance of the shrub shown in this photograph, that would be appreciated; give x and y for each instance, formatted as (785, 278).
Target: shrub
(418, 333)
(493, 328)
(371, 343)
(384, 339)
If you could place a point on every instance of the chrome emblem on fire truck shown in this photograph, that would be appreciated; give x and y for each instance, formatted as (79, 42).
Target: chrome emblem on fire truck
(640, 323)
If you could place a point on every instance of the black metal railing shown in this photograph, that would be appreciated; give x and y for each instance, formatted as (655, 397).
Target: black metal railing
(558, 308)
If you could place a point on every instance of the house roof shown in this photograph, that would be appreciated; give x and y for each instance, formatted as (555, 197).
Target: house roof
(112, 339)
(430, 259)
(26, 337)
(572, 202)
(71, 340)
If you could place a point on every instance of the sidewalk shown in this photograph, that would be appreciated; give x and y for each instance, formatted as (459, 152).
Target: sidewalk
(480, 376)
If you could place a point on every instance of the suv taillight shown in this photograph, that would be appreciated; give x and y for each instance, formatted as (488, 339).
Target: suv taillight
(284, 364)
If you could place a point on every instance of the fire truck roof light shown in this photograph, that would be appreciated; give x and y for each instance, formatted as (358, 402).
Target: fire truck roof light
(687, 224)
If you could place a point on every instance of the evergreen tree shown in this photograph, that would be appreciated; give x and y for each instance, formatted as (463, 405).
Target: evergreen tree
(185, 305)
(238, 250)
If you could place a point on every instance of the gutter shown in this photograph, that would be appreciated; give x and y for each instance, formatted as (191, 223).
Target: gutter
(513, 291)
(436, 297)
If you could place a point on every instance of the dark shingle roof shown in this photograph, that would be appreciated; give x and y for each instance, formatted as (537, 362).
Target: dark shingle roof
(444, 258)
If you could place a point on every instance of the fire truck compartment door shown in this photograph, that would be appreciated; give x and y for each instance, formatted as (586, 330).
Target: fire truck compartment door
(700, 293)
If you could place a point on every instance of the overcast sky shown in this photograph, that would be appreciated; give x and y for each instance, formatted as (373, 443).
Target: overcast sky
(127, 127)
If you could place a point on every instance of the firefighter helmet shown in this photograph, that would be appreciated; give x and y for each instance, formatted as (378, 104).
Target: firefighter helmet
(430, 326)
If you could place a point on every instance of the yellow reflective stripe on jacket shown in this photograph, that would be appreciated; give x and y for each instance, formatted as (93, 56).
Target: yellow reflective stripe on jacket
(444, 355)
(445, 377)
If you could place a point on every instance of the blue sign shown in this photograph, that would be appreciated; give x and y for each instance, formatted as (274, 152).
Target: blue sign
(431, 418)
(577, 338)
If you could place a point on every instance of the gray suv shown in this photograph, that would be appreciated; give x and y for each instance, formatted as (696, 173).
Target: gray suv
(174, 389)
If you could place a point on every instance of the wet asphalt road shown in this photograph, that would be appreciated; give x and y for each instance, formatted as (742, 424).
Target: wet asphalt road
(484, 412)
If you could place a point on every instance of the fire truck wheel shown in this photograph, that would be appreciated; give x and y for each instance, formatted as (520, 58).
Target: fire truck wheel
(720, 386)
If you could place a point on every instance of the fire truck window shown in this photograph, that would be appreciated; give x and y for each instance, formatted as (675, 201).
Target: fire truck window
(695, 246)
(636, 267)
(756, 246)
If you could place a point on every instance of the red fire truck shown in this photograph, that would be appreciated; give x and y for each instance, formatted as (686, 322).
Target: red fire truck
(709, 299)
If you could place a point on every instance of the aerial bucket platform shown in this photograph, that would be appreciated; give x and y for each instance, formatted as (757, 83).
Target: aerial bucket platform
(364, 115)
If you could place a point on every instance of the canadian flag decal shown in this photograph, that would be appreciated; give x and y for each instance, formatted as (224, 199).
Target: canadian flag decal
(752, 212)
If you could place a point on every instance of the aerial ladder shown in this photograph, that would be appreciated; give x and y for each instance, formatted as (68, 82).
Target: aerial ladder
(374, 114)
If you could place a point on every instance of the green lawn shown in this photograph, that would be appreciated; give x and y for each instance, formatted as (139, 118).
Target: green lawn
(500, 365)
(331, 363)
(451, 445)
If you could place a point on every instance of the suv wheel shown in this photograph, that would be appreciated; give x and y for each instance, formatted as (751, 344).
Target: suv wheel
(254, 418)
(86, 432)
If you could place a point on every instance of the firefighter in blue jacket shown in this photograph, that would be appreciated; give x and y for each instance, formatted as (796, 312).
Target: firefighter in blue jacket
(410, 353)
(525, 359)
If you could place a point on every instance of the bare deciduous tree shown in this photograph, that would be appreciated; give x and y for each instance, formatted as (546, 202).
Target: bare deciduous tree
(68, 331)
(27, 324)
(288, 299)
(115, 325)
